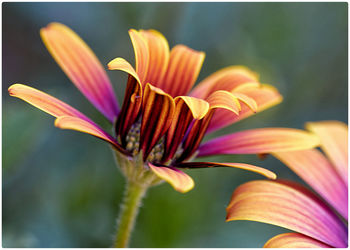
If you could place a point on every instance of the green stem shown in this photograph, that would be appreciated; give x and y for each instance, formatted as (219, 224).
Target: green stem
(128, 212)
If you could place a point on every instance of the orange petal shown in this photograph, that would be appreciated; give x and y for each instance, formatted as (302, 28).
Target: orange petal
(320, 174)
(265, 96)
(130, 109)
(183, 69)
(121, 64)
(287, 205)
(334, 142)
(265, 172)
(82, 66)
(75, 123)
(180, 181)
(250, 102)
(294, 240)
(257, 141)
(186, 109)
(141, 54)
(158, 48)
(225, 79)
(43, 101)
(157, 114)
(224, 100)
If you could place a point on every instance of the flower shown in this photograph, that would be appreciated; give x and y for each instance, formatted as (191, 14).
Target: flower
(291, 205)
(159, 128)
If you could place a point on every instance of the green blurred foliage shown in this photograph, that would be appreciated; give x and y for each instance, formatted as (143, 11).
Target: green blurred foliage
(62, 188)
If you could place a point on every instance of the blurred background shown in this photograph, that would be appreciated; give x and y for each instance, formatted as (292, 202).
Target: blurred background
(62, 188)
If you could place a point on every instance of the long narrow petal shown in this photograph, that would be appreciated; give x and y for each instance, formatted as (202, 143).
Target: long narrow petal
(130, 109)
(225, 79)
(294, 240)
(334, 142)
(186, 109)
(159, 53)
(290, 206)
(265, 172)
(180, 181)
(259, 141)
(157, 114)
(183, 70)
(82, 66)
(43, 101)
(314, 168)
(78, 124)
(265, 96)
(141, 54)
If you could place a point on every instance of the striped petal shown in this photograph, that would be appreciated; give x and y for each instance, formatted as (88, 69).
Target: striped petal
(43, 101)
(130, 109)
(294, 240)
(290, 206)
(225, 79)
(258, 141)
(334, 142)
(186, 109)
(265, 96)
(158, 48)
(142, 56)
(78, 124)
(157, 113)
(180, 181)
(81, 66)
(224, 100)
(265, 172)
(319, 173)
(183, 70)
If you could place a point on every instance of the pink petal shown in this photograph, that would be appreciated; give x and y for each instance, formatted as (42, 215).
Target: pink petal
(258, 141)
(294, 240)
(82, 66)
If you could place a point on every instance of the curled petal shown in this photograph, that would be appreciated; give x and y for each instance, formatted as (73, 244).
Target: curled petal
(315, 169)
(180, 181)
(183, 70)
(157, 114)
(82, 66)
(130, 109)
(265, 172)
(158, 48)
(75, 123)
(334, 142)
(250, 102)
(258, 141)
(225, 79)
(224, 100)
(287, 205)
(186, 109)
(141, 54)
(121, 64)
(43, 101)
(265, 96)
(294, 240)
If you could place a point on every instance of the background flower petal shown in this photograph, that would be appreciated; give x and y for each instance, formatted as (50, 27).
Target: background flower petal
(180, 181)
(263, 171)
(290, 206)
(334, 142)
(183, 70)
(315, 169)
(81, 66)
(257, 141)
(294, 240)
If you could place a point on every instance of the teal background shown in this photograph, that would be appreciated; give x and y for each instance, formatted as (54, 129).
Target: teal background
(62, 188)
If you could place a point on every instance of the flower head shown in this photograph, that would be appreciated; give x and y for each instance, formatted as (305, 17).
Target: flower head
(162, 122)
(291, 205)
